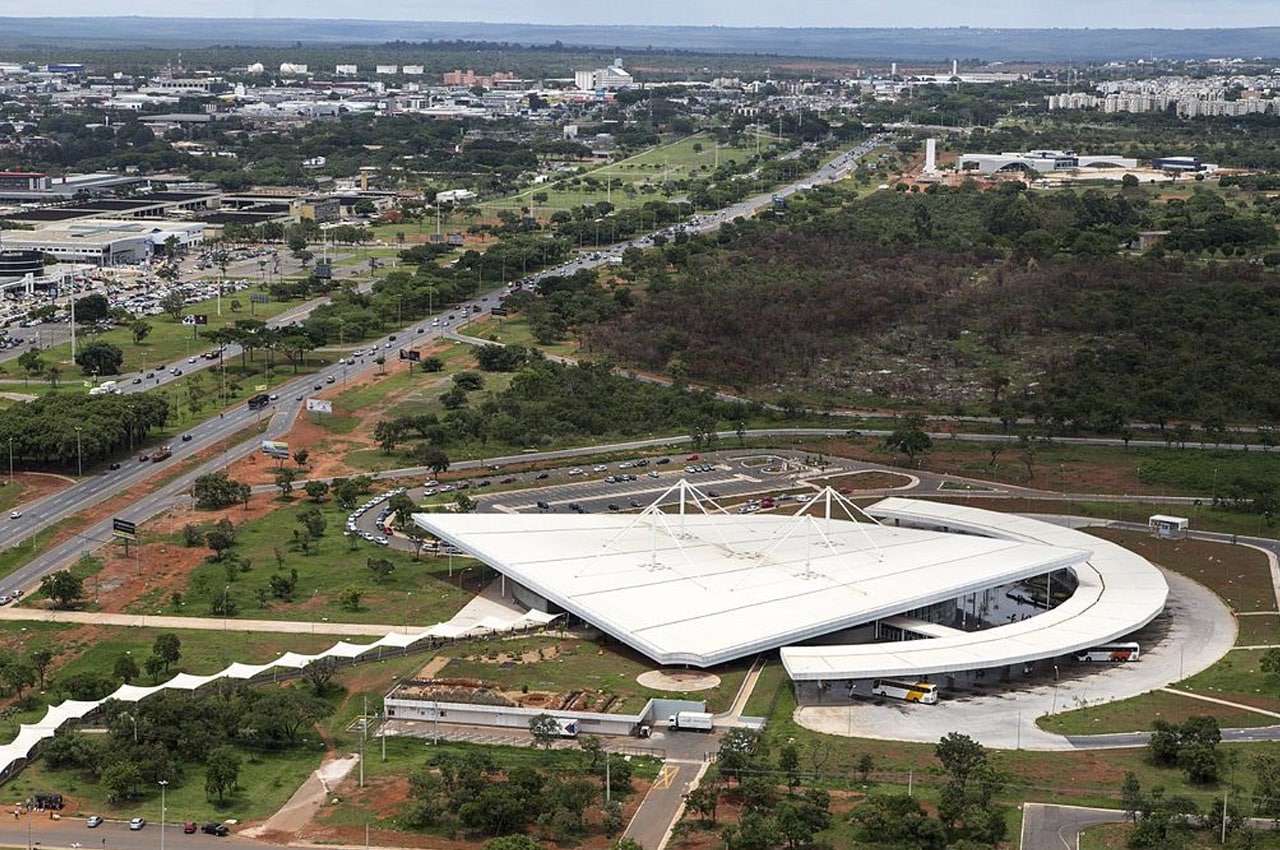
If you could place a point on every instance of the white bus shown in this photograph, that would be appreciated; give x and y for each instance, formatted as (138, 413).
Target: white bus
(1110, 652)
(909, 691)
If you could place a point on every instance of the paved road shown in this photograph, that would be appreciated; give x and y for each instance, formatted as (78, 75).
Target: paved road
(1046, 827)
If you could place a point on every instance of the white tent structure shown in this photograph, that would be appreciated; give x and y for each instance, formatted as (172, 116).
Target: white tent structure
(699, 586)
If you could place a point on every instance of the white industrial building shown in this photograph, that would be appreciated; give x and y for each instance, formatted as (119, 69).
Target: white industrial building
(1042, 161)
(686, 585)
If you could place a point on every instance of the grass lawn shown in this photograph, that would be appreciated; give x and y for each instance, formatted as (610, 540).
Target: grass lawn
(416, 593)
(514, 330)
(170, 341)
(1259, 630)
(1237, 678)
(1136, 714)
(1238, 574)
(772, 679)
(267, 780)
(574, 664)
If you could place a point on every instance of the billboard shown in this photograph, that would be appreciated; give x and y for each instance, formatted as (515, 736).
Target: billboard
(124, 529)
(320, 405)
(276, 449)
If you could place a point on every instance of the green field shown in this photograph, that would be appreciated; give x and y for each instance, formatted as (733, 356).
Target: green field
(417, 593)
(169, 341)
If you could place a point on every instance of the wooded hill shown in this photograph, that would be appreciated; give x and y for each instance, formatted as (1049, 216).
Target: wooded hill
(1007, 301)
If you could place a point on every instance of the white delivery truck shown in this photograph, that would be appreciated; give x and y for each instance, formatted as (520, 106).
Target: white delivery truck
(690, 721)
(568, 728)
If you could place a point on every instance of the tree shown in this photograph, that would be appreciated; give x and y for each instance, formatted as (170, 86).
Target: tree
(960, 755)
(215, 490)
(173, 303)
(100, 358)
(349, 597)
(126, 669)
(222, 772)
(285, 476)
(519, 841)
(154, 665)
(911, 441)
(433, 459)
(91, 308)
(380, 567)
(41, 659)
(545, 730)
(19, 676)
(316, 490)
(120, 779)
(313, 521)
(319, 673)
(219, 541)
(301, 456)
(31, 362)
(168, 648)
(139, 328)
(63, 588)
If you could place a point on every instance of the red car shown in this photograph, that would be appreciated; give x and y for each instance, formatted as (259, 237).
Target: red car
(189, 827)
(693, 457)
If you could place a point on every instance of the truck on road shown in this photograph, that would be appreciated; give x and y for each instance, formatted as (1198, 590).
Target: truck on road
(568, 727)
(259, 401)
(162, 453)
(691, 721)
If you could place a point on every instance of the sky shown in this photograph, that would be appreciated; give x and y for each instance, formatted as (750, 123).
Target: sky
(1176, 14)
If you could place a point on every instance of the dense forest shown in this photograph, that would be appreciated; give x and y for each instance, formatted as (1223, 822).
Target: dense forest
(1008, 301)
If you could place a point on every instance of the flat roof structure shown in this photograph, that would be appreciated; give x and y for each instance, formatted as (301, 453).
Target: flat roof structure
(1119, 592)
(702, 588)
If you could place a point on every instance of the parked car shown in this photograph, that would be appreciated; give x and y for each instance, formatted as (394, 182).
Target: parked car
(189, 827)
(218, 829)
(137, 824)
(93, 821)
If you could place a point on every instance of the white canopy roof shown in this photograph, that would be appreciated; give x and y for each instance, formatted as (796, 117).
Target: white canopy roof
(1119, 592)
(702, 589)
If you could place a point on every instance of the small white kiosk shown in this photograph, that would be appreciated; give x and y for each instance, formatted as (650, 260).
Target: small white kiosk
(1168, 527)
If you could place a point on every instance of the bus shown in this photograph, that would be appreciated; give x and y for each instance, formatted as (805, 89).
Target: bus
(909, 691)
(1110, 652)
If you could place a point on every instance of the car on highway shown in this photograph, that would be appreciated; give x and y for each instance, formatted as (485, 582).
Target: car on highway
(542, 476)
(93, 821)
(186, 438)
(14, 514)
(330, 379)
(137, 824)
(318, 387)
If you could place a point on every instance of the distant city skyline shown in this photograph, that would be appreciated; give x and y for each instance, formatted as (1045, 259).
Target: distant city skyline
(1098, 14)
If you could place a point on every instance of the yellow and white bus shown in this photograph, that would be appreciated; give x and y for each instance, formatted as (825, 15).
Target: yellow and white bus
(910, 691)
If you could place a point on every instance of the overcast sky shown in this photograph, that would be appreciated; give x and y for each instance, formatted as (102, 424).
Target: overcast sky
(784, 13)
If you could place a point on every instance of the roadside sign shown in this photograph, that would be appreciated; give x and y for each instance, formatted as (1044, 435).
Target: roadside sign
(124, 529)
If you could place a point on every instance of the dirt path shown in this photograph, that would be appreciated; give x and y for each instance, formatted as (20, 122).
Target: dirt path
(295, 815)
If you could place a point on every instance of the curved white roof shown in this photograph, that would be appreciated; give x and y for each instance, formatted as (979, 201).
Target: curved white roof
(703, 589)
(1119, 592)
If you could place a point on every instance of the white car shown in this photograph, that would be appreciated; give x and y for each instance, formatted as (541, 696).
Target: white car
(14, 514)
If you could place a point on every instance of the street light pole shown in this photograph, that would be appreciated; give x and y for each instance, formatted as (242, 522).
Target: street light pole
(11, 460)
(164, 783)
(79, 457)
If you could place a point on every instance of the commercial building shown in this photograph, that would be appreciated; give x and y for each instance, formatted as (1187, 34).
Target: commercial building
(103, 242)
(1041, 161)
(612, 77)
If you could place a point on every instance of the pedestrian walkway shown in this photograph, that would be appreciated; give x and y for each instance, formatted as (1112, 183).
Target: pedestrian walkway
(1216, 701)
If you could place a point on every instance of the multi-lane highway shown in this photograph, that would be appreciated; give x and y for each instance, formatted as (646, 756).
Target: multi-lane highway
(215, 436)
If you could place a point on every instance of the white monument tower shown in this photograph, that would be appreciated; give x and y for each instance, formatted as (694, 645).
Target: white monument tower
(930, 156)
